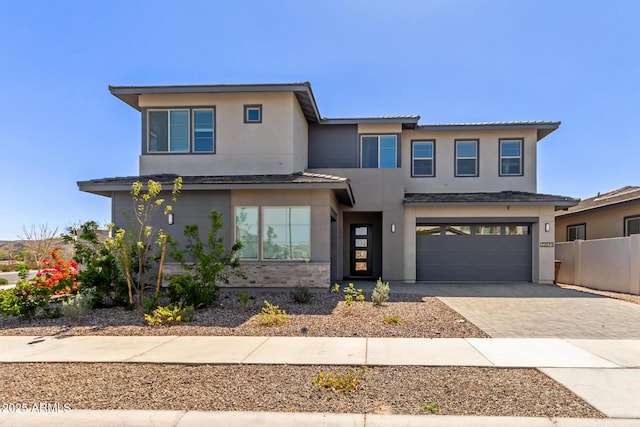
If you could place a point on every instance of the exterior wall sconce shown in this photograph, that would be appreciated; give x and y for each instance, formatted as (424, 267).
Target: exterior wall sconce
(547, 227)
(393, 228)
(170, 218)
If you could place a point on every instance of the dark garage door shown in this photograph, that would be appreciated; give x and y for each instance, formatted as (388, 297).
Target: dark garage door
(473, 252)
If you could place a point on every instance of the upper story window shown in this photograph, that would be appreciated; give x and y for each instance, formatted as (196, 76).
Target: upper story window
(467, 157)
(181, 130)
(511, 157)
(253, 113)
(632, 225)
(423, 158)
(576, 232)
(379, 151)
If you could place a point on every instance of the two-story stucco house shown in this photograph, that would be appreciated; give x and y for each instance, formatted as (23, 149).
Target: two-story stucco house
(315, 199)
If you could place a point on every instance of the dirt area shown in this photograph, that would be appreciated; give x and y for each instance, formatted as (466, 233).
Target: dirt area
(617, 295)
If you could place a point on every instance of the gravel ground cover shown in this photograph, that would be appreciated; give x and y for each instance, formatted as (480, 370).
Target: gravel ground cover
(388, 390)
(325, 315)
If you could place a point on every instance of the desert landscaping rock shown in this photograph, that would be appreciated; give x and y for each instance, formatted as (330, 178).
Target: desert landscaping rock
(282, 388)
(326, 315)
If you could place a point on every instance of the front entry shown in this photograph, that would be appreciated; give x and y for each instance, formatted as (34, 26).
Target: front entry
(361, 244)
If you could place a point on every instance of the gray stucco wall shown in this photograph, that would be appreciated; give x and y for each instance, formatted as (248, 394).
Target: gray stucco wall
(191, 207)
(334, 146)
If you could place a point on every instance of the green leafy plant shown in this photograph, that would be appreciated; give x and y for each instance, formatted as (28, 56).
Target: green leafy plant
(392, 320)
(149, 304)
(380, 293)
(99, 267)
(431, 408)
(300, 294)
(210, 263)
(271, 315)
(340, 382)
(335, 288)
(352, 295)
(77, 306)
(24, 300)
(170, 314)
(244, 298)
(3, 281)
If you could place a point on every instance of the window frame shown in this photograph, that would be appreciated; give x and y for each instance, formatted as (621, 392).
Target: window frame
(432, 158)
(626, 224)
(378, 136)
(476, 158)
(252, 107)
(190, 131)
(261, 230)
(572, 226)
(520, 157)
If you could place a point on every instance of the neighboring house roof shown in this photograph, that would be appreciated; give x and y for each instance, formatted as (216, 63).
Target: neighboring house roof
(615, 198)
(341, 186)
(513, 198)
(307, 101)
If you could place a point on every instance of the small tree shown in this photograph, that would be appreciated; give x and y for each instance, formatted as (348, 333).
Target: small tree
(132, 247)
(38, 241)
(208, 264)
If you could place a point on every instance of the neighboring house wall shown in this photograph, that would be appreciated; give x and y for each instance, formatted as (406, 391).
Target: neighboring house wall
(600, 223)
(277, 145)
(488, 179)
(605, 264)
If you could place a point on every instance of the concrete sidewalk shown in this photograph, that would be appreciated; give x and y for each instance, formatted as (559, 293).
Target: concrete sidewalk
(286, 419)
(605, 373)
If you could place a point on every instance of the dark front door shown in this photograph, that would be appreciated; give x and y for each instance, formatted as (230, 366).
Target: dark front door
(361, 250)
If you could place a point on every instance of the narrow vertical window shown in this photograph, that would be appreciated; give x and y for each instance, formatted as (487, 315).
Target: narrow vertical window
(203, 131)
(422, 157)
(247, 231)
(467, 158)
(510, 157)
(179, 130)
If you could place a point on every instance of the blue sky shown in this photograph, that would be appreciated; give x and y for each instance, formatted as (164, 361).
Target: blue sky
(447, 61)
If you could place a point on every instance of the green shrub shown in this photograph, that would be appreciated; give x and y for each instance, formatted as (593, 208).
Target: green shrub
(271, 315)
(380, 293)
(392, 320)
(352, 294)
(300, 294)
(188, 291)
(3, 281)
(431, 407)
(170, 315)
(342, 383)
(77, 306)
(244, 298)
(24, 300)
(210, 263)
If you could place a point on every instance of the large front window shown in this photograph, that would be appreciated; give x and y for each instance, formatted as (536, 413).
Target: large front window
(281, 233)
(181, 131)
(379, 151)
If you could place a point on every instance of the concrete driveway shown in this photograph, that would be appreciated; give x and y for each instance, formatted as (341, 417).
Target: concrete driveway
(528, 310)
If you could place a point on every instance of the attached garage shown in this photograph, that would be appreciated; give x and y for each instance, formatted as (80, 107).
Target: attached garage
(478, 252)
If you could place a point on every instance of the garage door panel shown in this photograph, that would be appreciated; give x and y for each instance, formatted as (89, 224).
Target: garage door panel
(473, 258)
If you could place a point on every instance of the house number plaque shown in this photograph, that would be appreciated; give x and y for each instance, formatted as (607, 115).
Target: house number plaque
(546, 244)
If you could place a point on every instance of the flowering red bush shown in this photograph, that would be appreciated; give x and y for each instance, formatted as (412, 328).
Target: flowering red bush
(60, 274)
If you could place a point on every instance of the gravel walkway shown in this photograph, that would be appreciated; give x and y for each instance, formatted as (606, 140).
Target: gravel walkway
(387, 390)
